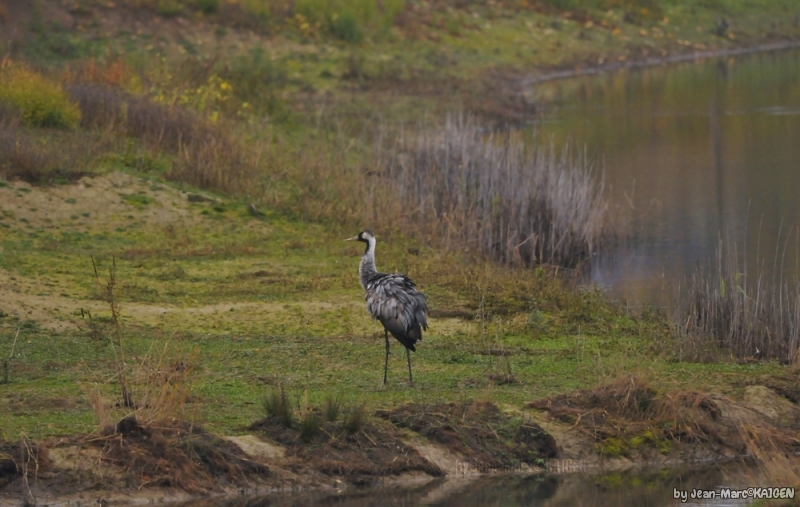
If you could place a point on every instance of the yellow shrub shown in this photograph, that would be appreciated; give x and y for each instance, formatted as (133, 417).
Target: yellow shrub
(41, 102)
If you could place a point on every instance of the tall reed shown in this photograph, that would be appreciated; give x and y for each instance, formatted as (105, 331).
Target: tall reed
(748, 316)
(494, 193)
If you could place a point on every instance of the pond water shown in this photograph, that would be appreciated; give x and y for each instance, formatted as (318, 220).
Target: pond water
(618, 489)
(692, 153)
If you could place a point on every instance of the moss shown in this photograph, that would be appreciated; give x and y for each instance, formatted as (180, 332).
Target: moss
(611, 447)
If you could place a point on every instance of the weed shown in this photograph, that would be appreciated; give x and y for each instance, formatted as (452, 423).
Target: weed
(277, 405)
(116, 338)
(6, 366)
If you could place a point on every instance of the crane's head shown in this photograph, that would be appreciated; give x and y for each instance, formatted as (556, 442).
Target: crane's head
(364, 236)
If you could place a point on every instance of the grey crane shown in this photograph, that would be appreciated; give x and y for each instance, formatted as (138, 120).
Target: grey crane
(394, 300)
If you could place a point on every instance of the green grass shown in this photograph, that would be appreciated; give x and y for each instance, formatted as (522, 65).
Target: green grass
(253, 304)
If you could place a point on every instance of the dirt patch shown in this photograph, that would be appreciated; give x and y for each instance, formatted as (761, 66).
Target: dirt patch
(93, 204)
(478, 435)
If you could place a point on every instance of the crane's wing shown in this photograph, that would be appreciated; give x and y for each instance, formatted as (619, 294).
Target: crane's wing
(395, 301)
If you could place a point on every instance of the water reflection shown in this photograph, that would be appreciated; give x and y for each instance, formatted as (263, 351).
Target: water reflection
(691, 152)
(619, 489)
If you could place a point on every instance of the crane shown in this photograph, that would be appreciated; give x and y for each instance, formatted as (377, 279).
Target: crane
(394, 300)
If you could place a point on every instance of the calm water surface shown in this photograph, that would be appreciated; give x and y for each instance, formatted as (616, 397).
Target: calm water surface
(626, 489)
(692, 152)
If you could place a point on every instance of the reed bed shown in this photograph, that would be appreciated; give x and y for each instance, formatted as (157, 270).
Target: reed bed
(726, 310)
(496, 194)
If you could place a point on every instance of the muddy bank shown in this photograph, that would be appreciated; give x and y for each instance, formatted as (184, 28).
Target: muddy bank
(620, 425)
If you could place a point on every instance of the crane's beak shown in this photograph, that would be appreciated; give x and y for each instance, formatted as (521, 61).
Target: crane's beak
(352, 239)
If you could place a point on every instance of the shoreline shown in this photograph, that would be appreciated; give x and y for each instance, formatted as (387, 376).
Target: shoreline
(532, 79)
(438, 443)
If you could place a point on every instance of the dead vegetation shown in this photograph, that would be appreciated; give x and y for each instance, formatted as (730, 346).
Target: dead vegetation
(479, 431)
(748, 316)
(23, 460)
(362, 457)
(173, 454)
(204, 154)
(628, 418)
(509, 199)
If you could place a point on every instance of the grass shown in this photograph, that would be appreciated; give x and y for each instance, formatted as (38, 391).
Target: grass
(256, 310)
(730, 311)
(272, 303)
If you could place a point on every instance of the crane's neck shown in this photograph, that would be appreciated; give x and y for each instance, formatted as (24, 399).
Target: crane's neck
(367, 267)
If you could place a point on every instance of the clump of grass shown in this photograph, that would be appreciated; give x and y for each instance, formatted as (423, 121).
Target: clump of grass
(331, 407)
(310, 424)
(277, 405)
(728, 311)
(355, 419)
(41, 102)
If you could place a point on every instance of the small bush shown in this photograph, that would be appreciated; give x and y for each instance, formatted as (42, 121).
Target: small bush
(41, 102)
(346, 27)
(278, 405)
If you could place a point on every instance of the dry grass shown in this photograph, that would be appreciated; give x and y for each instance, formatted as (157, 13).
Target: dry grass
(512, 201)
(457, 187)
(729, 311)
(204, 154)
(628, 414)
(48, 157)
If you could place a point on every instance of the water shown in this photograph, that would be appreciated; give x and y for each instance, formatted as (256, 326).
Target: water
(692, 153)
(618, 489)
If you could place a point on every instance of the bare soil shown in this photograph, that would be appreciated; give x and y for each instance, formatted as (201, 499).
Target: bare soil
(626, 423)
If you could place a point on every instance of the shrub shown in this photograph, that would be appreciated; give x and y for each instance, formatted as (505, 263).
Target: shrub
(40, 101)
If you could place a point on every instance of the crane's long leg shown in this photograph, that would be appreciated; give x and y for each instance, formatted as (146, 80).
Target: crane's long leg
(408, 355)
(386, 365)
